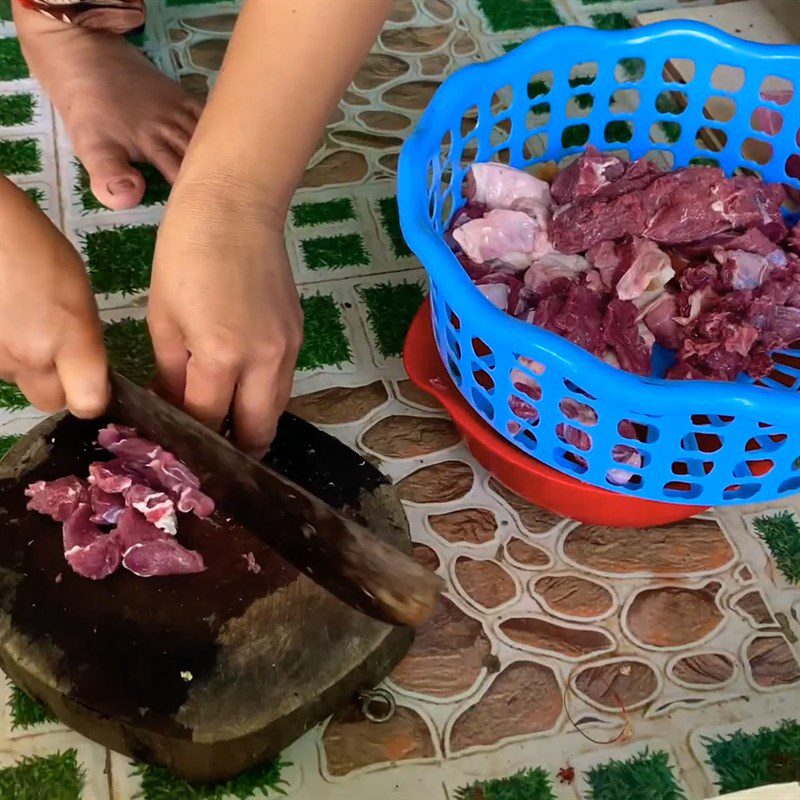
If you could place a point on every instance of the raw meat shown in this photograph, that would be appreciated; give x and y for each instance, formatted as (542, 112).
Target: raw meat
(495, 185)
(106, 506)
(57, 499)
(696, 262)
(154, 506)
(138, 492)
(514, 237)
(162, 557)
(90, 552)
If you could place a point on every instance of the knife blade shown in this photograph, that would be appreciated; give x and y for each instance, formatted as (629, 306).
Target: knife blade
(337, 553)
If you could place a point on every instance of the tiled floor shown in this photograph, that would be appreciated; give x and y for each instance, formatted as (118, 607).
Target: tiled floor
(568, 661)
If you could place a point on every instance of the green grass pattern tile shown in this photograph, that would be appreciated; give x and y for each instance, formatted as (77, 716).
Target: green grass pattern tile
(56, 777)
(746, 760)
(37, 195)
(17, 109)
(156, 190)
(390, 310)
(390, 221)
(120, 259)
(261, 781)
(20, 156)
(646, 776)
(509, 15)
(781, 534)
(613, 21)
(530, 784)
(12, 62)
(335, 252)
(130, 350)
(325, 342)
(7, 442)
(12, 398)
(5, 10)
(307, 214)
(25, 711)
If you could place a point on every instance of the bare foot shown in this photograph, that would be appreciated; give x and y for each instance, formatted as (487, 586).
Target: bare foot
(117, 107)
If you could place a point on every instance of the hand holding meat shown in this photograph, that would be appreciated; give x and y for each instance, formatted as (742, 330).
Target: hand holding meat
(224, 314)
(51, 344)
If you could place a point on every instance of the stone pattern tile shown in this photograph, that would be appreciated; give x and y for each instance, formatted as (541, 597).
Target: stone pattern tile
(649, 641)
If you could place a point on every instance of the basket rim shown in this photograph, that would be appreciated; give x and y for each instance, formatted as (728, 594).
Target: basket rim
(726, 397)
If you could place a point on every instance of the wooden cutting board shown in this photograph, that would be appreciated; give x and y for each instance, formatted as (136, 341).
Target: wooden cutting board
(205, 674)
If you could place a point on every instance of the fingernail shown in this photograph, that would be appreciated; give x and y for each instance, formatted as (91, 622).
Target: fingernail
(120, 185)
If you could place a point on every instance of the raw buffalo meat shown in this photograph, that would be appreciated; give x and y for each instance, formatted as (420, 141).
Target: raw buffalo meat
(701, 264)
(140, 493)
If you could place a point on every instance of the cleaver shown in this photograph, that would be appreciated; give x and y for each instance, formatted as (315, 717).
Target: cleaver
(337, 553)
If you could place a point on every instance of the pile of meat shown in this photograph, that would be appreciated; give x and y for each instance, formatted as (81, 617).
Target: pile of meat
(618, 256)
(126, 513)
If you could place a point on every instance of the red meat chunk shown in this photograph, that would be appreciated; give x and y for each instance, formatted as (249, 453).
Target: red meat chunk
(57, 499)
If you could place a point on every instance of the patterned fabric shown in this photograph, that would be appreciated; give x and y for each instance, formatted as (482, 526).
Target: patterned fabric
(114, 16)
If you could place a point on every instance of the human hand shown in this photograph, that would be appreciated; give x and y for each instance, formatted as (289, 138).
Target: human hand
(51, 342)
(224, 313)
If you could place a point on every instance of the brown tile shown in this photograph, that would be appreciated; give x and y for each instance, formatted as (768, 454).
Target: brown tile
(572, 596)
(195, 84)
(524, 699)
(434, 65)
(378, 69)
(426, 556)
(413, 95)
(365, 139)
(339, 404)
(685, 548)
(384, 121)
(343, 166)
(410, 392)
(617, 684)
(437, 483)
(674, 616)
(772, 662)
(527, 555)
(485, 582)
(754, 608)
(352, 742)
(405, 436)
(208, 53)
(541, 634)
(447, 655)
(415, 40)
(705, 669)
(466, 525)
(216, 23)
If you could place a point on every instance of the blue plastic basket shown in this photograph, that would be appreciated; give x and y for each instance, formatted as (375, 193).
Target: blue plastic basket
(700, 442)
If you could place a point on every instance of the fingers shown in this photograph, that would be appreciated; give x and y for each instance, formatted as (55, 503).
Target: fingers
(114, 182)
(171, 359)
(43, 389)
(210, 382)
(82, 369)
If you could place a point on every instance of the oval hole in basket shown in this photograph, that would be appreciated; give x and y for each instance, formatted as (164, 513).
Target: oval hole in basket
(719, 108)
(767, 444)
(766, 120)
(455, 372)
(637, 431)
(712, 139)
(574, 409)
(525, 439)
(573, 437)
(583, 74)
(624, 101)
(482, 403)
(502, 100)
(523, 409)
(540, 84)
(711, 420)
(727, 78)
(618, 131)
(580, 105)
(790, 485)
(701, 442)
(671, 102)
(740, 491)
(756, 150)
(678, 70)
(692, 466)
(775, 89)
(629, 70)
(571, 462)
(573, 387)
(793, 166)
(454, 320)
(469, 121)
(483, 378)
(535, 146)
(682, 489)
(480, 348)
(757, 469)
(621, 477)
(575, 135)
(453, 344)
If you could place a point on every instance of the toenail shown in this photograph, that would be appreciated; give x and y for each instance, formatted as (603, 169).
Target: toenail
(121, 185)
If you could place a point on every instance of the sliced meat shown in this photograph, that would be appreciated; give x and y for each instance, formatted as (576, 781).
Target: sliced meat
(112, 476)
(97, 560)
(78, 529)
(132, 529)
(114, 433)
(552, 267)
(155, 506)
(502, 290)
(57, 499)
(162, 557)
(660, 319)
(586, 175)
(106, 506)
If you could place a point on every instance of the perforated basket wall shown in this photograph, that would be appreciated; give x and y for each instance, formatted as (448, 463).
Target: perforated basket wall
(677, 93)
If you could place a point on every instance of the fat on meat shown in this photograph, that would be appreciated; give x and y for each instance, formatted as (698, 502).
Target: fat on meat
(57, 499)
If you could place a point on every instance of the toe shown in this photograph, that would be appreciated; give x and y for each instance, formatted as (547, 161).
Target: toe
(115, 183)
(163, 157)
